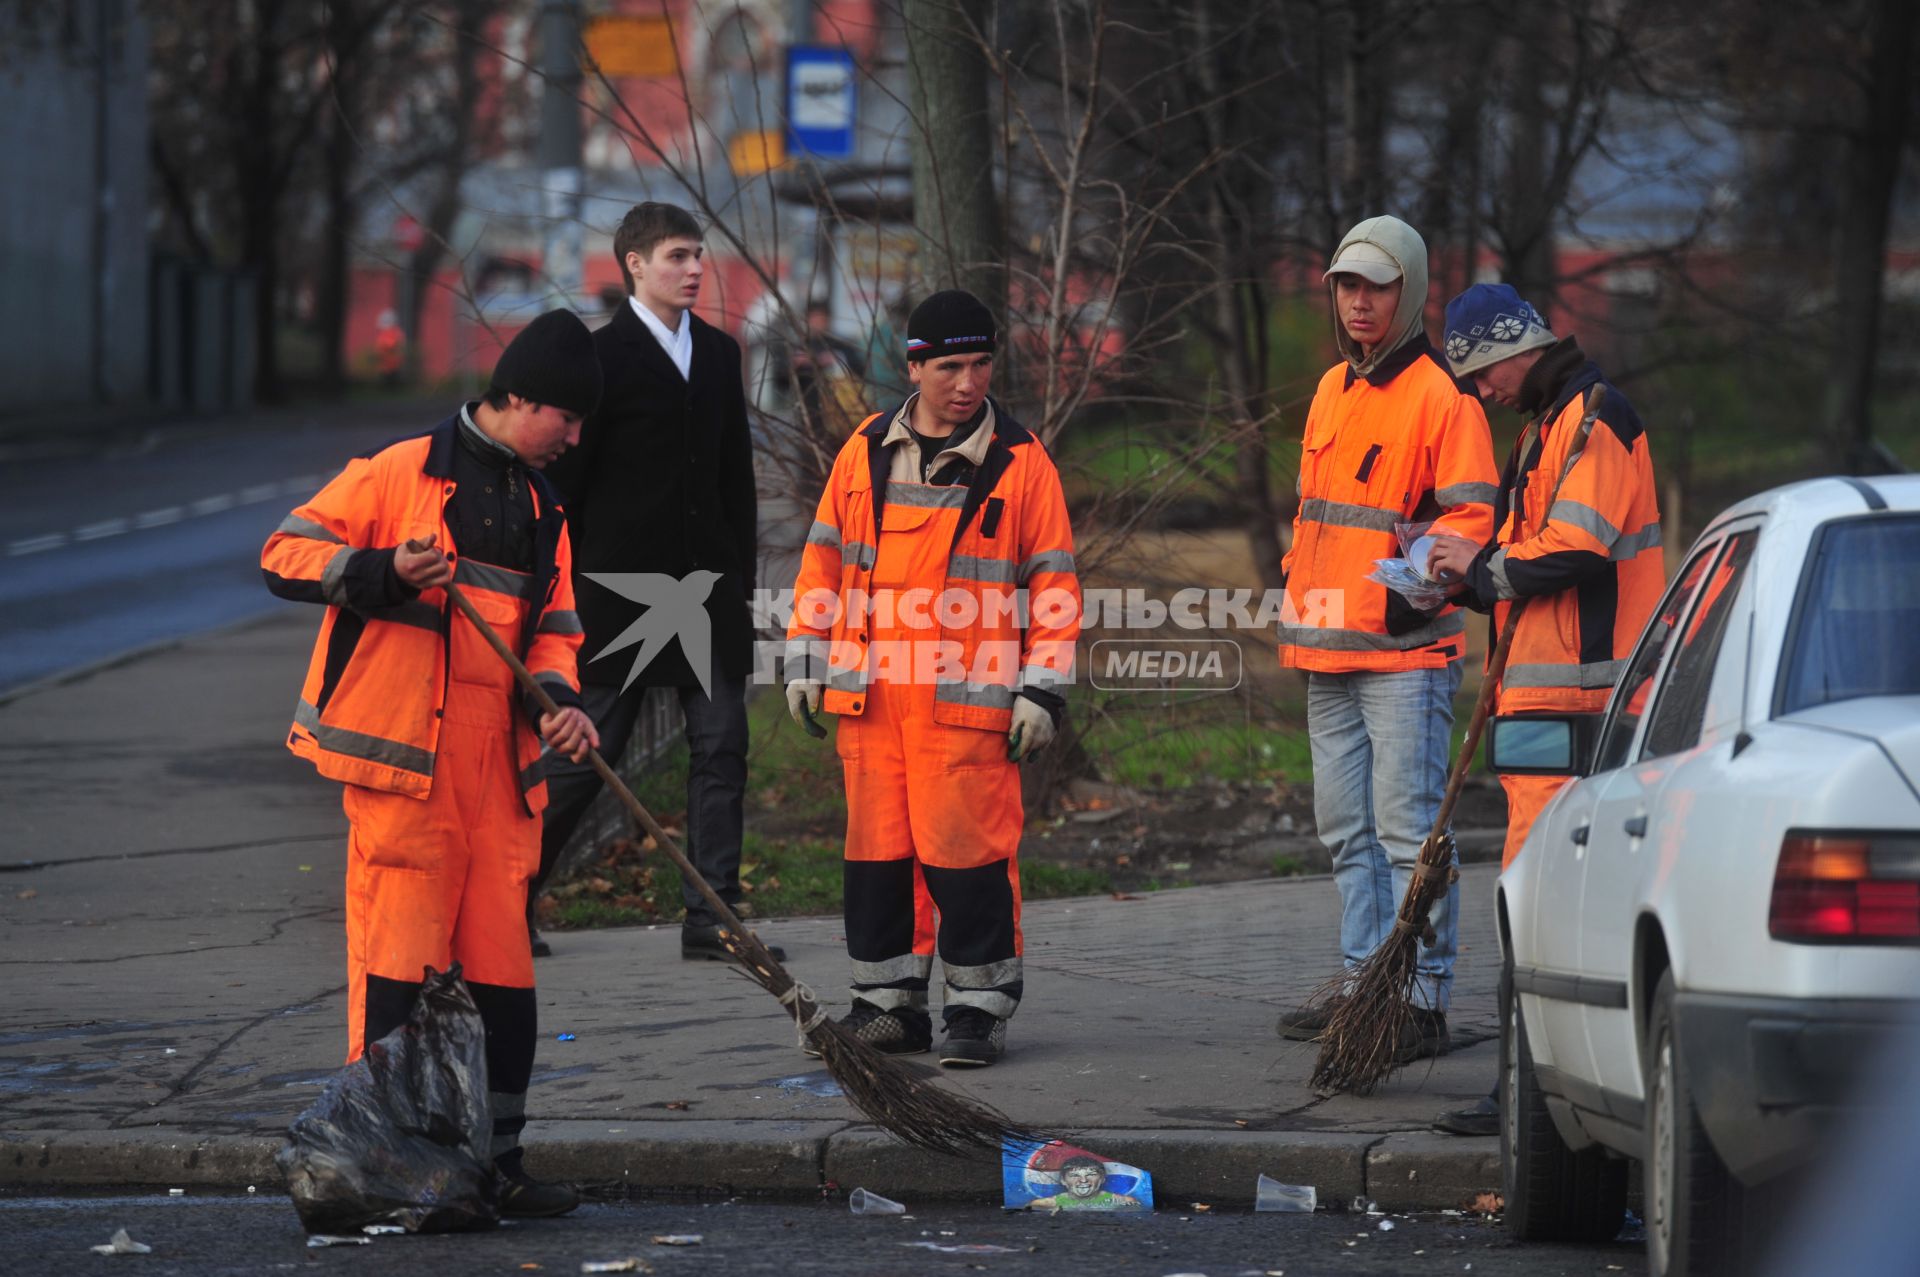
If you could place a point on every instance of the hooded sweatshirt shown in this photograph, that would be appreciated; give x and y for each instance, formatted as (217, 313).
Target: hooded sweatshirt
(1391, 438)
(1403, 244)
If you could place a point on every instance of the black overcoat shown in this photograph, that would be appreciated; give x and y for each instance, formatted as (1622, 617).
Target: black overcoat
(662, 481)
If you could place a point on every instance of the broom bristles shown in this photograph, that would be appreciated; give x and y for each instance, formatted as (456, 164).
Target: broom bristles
(1363, 1033)
(889, 1093)
(909, 1105)
(1372, 1004)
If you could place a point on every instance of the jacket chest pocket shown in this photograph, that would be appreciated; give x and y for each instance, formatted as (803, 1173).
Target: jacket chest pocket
(906, 536)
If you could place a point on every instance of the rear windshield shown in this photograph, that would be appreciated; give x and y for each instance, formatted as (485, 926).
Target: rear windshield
(1858, 629)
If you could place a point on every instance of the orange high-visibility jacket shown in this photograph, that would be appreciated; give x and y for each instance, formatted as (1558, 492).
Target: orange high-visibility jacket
(1404, 444)
(369, 711)
(1591, 561)
(1013, 536)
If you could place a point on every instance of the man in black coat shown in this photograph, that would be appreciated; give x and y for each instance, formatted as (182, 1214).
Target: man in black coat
(662, 484)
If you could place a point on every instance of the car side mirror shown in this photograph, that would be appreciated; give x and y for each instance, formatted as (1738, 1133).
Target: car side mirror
(1542, 744)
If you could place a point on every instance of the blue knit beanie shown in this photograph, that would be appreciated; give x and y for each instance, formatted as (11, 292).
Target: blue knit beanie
(1488, 323)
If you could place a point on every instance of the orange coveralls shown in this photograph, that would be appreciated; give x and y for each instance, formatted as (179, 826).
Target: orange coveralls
(405, 703)
(924, 629)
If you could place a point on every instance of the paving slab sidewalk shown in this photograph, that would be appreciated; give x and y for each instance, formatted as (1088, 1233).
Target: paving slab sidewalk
(171, 932)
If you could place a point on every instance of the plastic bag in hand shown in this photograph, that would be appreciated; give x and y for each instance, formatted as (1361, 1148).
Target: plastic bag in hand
(1411, 584)
(403, 1134)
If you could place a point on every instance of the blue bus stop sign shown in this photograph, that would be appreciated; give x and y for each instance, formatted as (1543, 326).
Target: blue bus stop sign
(820, 102)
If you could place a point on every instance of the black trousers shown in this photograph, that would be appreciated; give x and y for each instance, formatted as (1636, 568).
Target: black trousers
(716, 783)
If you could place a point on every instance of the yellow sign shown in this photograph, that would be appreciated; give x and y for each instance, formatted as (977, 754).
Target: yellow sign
(759, 151)
(632, 46)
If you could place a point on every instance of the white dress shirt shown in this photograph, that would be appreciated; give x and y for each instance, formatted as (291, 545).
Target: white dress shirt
(678, 345)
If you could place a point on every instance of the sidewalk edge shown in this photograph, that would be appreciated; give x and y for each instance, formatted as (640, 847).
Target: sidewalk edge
(801, 1160)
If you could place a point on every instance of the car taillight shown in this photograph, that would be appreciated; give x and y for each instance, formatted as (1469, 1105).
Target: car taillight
(1853, 888)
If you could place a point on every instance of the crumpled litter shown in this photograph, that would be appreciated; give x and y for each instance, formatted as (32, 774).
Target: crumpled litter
(678, 1239)
(318, 1240)
(382, 1230)
(969, 1248)
(121, 1244)
(631, 1264)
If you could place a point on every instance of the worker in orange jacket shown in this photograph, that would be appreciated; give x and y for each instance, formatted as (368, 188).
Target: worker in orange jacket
(936, 612)
(1584, 550)
(1391, 439)
(406, 703)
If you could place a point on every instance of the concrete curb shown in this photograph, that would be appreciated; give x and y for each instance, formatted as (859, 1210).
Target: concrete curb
(799, 1160)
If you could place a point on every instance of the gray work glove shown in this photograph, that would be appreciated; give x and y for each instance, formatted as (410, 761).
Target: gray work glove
(803, 702)
(1032, 729)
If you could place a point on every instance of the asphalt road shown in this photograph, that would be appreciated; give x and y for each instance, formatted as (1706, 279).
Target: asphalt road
(156, 536)
(209, 1235)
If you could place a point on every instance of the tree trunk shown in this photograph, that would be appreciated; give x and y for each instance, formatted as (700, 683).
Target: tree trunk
(1365, 93)
(1869, 165)
(1239, 312)
(1527, 236)
(330, 301)
(469, 18)
(955, 211)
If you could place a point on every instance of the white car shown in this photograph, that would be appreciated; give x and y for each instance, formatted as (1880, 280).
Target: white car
(1711, 927)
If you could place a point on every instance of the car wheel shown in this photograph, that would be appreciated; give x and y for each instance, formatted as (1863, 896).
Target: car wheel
(1553, 1193)
(1695, 1208)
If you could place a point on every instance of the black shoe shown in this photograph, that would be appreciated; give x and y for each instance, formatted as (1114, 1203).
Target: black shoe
(1479, 1119)
(899, 1032)
(702, 943)
(523, 1197)
(541, 949)
(974, 1040)
(1422, 1037)
(1308, 1023)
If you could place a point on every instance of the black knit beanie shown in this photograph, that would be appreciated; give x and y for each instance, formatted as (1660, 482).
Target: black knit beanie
(552, 361)
(951, 322)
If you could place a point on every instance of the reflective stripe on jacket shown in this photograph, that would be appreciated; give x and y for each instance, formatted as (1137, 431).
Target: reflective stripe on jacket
(1403, 444)
(1592, 561)
(369, 710)
(1012, 535)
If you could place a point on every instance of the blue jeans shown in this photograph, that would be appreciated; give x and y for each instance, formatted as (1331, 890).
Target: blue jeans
(1380, 744)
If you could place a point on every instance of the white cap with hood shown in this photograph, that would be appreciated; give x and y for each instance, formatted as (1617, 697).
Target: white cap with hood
(1381, 250)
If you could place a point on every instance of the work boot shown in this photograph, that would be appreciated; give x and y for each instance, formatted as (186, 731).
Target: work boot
(538, 942)
(1482, 1118)
(1422, 1036)
(1307, 1023)
(896, 1032)
(524, 1197)
(700, 942)
(975, 1039)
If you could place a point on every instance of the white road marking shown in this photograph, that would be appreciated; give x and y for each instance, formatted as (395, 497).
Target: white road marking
(254, 494)
(104, 528)
(34, 545)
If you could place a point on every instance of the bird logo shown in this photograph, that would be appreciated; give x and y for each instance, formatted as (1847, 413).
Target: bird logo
(676, 607)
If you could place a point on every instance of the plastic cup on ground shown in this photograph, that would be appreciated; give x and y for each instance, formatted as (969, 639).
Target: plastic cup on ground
(861, 1202)
(1272, 1195)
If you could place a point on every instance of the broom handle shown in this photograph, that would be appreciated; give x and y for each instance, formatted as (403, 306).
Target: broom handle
(1497, 663)
(727, 918)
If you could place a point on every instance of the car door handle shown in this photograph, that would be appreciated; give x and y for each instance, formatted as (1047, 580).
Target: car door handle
(1637, 827)
(1580, 835)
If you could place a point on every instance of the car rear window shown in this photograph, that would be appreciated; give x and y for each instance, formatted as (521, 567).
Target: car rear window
(1857, 631)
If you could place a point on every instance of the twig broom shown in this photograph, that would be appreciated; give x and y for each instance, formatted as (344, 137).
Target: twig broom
(877, 1085)
(1372, 1004)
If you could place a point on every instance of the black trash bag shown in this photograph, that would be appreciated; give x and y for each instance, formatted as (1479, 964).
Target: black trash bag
(402, 1135)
